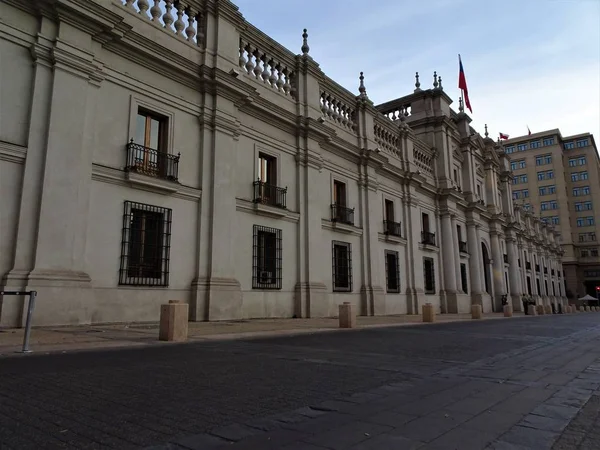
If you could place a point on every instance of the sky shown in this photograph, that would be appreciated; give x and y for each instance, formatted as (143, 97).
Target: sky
(529, 63)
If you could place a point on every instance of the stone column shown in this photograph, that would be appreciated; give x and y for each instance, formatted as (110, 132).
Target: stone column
(415, 289)
(474, 263)
(449, 261)
(516, 285)
(497, 271)
(373, 293)
(456, 253)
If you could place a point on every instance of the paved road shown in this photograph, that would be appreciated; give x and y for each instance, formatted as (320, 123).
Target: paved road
(497, 384)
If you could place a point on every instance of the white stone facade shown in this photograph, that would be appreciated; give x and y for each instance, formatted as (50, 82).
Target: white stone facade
(102, 218)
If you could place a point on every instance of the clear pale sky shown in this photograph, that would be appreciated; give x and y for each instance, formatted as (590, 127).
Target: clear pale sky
(527, 62)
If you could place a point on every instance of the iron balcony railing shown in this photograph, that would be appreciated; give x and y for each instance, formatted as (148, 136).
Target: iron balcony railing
(427, 238)
(505, 258)
(527, 265)
(151, 162)
(462, 247)
(342, 214)
(392, 228)
(268, 194)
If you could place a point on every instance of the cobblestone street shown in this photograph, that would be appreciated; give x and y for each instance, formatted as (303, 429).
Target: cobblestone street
(498, 384)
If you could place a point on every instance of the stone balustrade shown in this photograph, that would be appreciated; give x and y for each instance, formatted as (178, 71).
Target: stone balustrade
(264, 60)
(337, 104)
(423, 158)
(182, 19)
(387, 137)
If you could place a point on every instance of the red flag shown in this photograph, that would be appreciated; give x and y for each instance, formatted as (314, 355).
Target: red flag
(462, 84)
(503, 136)
(528, 130)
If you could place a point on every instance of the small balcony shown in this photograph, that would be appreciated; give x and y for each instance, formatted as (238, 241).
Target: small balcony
(428, 238)
(342, 214)
(462, 247)
(268, 194)
(151, 162)
(505, 258)
(527, 265)
(392, 228)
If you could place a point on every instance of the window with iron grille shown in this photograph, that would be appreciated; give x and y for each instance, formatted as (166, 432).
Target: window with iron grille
(429, 274)
(145, 245)
(392, 271)
(463, 278)
(342, 266)
(266, 258)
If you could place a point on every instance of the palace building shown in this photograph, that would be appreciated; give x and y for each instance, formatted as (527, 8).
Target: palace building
(157, 150)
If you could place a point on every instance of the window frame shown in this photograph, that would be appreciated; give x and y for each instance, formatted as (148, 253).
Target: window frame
(259, 251)
(135, 104)
(126, 265)
(396, 256)
(335, 269)
(425, 287)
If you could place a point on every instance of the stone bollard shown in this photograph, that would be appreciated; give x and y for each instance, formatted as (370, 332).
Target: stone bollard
(548, 309)
(347, 316)
(540, 310)
(173, 321)
(586, 308)
(568, 309)
(508, 311)
(476, 312)
(428, 313)
(531, 310)
(582, 309)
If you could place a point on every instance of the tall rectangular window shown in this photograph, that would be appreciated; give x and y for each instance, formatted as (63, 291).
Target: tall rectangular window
(572, 162)
(339, 193)
(389, 210)
(535, 144)
(145, 245)
(583, 143)
(267, 169)
(425, 218)
(463, 278)
(266, 258)
(429, 275)
(548, 141)
(342, 266)
(581, 161)
(151, 130)
(521, 147)
(569, 145)
(392, 271)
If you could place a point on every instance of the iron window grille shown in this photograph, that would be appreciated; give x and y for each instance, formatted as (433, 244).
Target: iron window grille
(463, 278)
(145, 245)
(269, 194)
(428, 238)
(392, 271)
(342, 266)
(151, 162)
(392, 228)
(462, 247)
(342, 214)
(266, 258)
(429, 272)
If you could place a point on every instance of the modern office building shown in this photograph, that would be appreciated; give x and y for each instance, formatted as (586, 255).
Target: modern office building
(559, 178)
(170, 150)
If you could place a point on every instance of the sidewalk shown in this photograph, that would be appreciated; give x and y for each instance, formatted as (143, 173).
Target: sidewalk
(87, 337)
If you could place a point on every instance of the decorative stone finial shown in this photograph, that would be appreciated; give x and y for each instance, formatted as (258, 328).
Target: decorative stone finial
(461, 108)
(361, 88)
(486, 131)
(417, 83)
(435, 80)
(440, 81)
(305, 48)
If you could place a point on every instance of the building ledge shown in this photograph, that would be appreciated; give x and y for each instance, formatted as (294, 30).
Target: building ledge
(429, 248)
(266, 210)
(382, 237)
(341, 227)
(151, 183)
